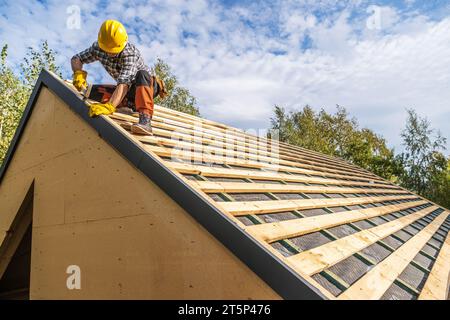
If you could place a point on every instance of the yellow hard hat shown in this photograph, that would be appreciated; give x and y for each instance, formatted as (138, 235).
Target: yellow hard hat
(112, 36)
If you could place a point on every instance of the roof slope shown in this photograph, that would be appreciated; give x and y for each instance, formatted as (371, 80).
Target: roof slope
(310, 225)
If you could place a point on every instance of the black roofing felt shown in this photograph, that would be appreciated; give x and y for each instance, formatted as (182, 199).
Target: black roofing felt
(268, 267)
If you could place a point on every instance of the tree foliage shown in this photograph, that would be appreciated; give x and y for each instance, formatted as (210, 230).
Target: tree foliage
(35, 61)
(178, 98)
(336, 135)
(422, 167)
(425, 168)
(13, 97)
(15, 90)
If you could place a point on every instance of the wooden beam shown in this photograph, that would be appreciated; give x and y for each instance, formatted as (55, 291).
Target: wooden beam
(198, 130)
(248, 152)
(276, 231)
(169, 131)
(378, 280)
(242, 208)
(224, 129)
(262, 175)
(242, 187)
(224, 156)
(318, 259)
(437, 284)
(203, 154)
(289, 149)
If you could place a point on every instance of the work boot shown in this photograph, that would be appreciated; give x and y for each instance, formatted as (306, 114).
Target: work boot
(125, 110)
(143, 127)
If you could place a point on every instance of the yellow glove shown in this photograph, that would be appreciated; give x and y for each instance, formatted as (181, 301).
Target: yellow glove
(79, 80)
(97, 109)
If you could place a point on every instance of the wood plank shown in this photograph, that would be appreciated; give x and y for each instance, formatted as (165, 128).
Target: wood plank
(271, 232)
(262, 175)
(286, 146)
(318, 259)
(198, 130)
(437, 285)
(248, 149)
(241, 208)
(170, 131)
(223, 156)
(222, 128)
(243, 187)
(378, 280)
(289, 149)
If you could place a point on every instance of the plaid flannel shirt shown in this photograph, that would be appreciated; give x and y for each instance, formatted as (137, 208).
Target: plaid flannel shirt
(122, 67)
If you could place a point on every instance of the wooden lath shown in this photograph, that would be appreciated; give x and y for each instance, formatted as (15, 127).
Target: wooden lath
(227, 130)
(218, 126)
(271, 232)
(320, 258)
(179, 126)
(241, 208)
(378, 280)
(437, 285)
(284, 147)
(263, 175)
(241, 187)
(221, 156)
(247, 152)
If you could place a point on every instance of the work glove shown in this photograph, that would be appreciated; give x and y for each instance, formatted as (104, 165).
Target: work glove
(96, 109)
(79, 80)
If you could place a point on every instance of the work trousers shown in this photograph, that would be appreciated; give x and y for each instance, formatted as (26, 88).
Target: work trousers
(139, 97)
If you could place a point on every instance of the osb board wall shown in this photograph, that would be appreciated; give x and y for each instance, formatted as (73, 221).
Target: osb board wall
(95, 210)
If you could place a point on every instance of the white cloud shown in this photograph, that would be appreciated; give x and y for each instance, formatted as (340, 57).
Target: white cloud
(230, 63)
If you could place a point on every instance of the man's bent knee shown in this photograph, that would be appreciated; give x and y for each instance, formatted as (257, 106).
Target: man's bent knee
(142, 78)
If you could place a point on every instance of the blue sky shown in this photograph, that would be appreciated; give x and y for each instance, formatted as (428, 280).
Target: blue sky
(240, 58)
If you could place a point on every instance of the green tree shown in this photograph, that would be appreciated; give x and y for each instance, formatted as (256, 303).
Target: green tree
(15, 90)
(425, 167)
(13, 97)
(35, 61)
(336, 135)
(439, 186)
(178, 98)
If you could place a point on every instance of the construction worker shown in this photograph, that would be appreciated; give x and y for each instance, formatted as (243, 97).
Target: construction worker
(123, 61)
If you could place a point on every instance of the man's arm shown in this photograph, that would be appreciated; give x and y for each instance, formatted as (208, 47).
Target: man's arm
(118, 94)
(84, 57)
(77, 61)
(76, 64)
(123, 81)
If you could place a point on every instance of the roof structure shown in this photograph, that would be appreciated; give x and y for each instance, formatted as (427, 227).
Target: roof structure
(311, 226)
